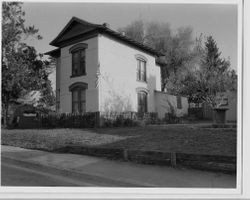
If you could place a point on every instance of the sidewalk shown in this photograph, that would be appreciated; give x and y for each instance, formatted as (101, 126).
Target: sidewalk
(136, 174)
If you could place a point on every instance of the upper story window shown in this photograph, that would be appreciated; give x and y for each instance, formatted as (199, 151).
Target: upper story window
(141, 73)
(78, 52)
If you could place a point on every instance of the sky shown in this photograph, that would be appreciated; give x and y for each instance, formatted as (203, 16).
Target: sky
(218, 20)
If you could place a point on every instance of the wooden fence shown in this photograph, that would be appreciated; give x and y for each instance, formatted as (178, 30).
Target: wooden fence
(94, 119)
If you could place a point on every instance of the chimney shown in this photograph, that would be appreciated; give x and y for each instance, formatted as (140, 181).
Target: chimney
(106, 25)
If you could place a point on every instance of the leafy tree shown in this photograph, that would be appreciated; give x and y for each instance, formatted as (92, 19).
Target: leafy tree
(48, 97)
(22, 69)
(134, 30)
(177, 46)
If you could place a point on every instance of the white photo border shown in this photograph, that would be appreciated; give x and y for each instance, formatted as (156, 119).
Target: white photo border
(171, 193)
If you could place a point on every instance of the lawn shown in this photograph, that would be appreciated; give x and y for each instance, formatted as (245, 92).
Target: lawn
(168, 138)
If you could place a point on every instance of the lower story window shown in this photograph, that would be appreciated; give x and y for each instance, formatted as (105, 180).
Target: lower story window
(79, 100)
(142, 102)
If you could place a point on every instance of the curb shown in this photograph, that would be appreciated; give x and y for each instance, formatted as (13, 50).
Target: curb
(76, 174)
(225, 164)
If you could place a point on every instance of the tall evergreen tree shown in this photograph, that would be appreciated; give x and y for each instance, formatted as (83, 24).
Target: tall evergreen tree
(177, 46)
(212, 78)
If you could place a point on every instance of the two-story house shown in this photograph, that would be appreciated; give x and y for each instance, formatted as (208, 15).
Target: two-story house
(99, 69)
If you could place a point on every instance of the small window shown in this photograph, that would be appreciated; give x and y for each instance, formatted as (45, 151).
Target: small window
(142, 102)
(141, 70)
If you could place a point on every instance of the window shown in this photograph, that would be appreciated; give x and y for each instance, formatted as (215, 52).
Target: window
(141, 70)
(78, 52)
(142, 102)
(78, 91)
(78, 63)
(79, 100)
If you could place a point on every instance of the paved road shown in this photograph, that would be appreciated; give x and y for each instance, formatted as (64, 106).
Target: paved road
(19, 174)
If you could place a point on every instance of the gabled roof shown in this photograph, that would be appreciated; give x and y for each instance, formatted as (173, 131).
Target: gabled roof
(77, 27)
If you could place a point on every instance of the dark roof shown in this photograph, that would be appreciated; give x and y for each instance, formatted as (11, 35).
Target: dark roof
(83, 28)
(54, 53)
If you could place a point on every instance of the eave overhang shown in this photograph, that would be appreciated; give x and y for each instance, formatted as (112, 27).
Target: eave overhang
(95, 29)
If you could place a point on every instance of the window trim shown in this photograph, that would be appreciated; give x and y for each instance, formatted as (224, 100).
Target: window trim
(77, 49)
(141, 57)
(78, 84)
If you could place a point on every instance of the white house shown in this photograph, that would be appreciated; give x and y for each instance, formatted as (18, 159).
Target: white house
(99, 69)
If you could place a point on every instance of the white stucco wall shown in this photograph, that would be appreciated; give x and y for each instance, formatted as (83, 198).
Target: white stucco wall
(163, 102)
(89, 78)
(118, 76)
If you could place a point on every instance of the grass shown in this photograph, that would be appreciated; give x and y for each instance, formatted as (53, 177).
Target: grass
(169, 138)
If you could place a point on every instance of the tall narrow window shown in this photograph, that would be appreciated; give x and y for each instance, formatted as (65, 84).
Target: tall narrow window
(78, 63)
(78, 100)
(142, 102)
(78, 52)
(141, 70)
(78, 91)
